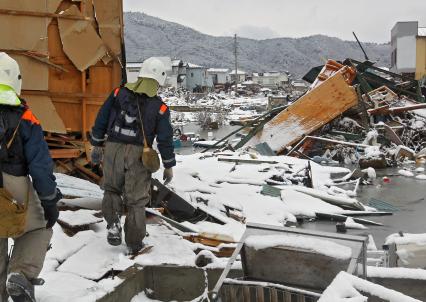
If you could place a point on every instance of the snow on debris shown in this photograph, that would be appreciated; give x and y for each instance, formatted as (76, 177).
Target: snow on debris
(407, 238)
(396, 272)
(351, 224)
(346, 287)
(208, 182)
(83, 202)
(406, 173)
(67, 287)
(76, 187)
(320, 246)
(74, 263)
(79, 218)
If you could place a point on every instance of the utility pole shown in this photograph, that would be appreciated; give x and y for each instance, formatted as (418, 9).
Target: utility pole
(236, 63)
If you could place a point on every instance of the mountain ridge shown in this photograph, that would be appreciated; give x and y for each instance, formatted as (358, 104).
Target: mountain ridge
(147, 36)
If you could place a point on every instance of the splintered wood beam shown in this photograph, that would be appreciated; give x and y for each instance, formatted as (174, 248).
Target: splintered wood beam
(65, 153)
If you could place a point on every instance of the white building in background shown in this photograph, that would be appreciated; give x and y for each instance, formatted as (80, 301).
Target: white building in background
(178, 76)
(408, 44)
(219, 76)
(133, 69)
(271, 79)
(242, 75)
(197, 79)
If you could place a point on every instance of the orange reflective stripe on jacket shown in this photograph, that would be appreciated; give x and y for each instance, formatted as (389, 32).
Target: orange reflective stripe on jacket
(29, 116)
(163, 109)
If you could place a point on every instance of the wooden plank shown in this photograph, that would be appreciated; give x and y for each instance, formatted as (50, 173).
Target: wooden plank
(246, 294)
(42, 14)
(309, 113)
(259, 294)
(92, 175)
(65, 153)
(274, 295)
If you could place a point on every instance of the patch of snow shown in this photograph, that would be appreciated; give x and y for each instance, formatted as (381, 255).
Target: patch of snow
(351, 224)
(346, 287)
(85, 203)
(396, 272)
(406, 173)
(320, 246)
(419, 239)
(76, 187)
(80, 217)
(421, 176)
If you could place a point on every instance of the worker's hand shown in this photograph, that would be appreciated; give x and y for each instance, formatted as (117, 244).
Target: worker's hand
(50, 208)
(97, 155)
(51, 215)
(167, 175)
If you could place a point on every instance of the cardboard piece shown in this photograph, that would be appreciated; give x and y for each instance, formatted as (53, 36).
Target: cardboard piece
(315, 109)
(23, 33)
(44, 6)
(35, 75)
(26, 32)
(45, 111)
(108, 15)
(80, 41)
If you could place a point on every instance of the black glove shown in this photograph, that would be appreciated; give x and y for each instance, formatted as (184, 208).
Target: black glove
(51, 212)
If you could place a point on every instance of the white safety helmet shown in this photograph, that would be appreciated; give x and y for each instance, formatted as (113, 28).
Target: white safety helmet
(10, 75)
(154, 68)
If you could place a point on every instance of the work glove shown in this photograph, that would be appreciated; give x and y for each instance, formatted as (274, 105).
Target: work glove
(50, 208)
(97, 155)
(167, 175)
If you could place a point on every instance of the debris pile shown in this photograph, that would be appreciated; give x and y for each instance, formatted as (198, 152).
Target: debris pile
(353, 113)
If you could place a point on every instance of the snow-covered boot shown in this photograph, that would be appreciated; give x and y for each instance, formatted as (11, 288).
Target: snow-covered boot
(19, 288)
(114, 234)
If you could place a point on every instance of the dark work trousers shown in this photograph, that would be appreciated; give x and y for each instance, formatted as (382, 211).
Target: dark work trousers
(126, 180)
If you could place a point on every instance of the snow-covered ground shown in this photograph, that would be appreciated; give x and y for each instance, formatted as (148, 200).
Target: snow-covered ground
(75, 267)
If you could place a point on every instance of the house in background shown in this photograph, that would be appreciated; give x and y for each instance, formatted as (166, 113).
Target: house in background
(178, 76)
(197, 79)
(133, 69)
(408, 44)
(241, 76)
(273, 79)
(219, 76)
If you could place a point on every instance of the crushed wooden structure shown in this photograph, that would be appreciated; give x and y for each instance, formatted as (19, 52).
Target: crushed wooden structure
(312, 111)
(71, 57)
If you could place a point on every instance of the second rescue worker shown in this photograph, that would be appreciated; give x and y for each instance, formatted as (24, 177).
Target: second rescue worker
(128, 122)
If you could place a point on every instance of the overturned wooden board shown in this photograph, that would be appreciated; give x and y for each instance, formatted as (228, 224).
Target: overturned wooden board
(309, 113)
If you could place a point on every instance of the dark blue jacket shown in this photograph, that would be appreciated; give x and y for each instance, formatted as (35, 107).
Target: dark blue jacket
(29, 153)
(156, 122)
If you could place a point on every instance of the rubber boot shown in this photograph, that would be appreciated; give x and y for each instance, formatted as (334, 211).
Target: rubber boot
(19, 288)
(114, 234)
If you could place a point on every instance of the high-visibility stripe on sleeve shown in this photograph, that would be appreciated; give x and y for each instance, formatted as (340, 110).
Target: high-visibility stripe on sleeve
(116, 91)
(29, 116)
(163, 109)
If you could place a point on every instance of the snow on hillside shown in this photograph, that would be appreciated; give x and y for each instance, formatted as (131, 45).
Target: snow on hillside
(149, 36)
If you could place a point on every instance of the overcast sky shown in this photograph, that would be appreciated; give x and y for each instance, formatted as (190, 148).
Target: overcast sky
(371, 20)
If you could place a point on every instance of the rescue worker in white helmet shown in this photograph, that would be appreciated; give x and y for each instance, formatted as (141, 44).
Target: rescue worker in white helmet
(127, 124)
(27, 206)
